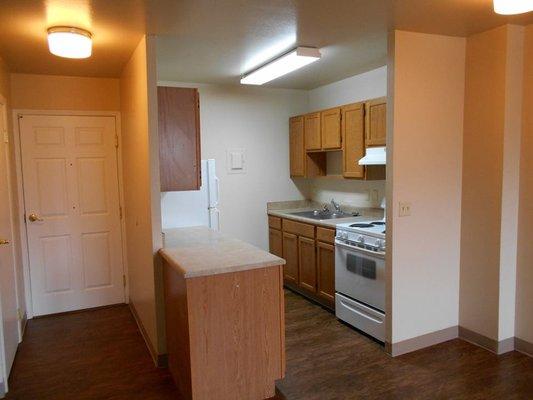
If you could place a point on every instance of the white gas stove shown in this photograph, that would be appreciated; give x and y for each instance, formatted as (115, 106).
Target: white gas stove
(360, 275)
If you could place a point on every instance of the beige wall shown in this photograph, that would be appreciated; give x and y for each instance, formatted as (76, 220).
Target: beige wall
(427, 95)
(5, 91)
(490, 182)
(524, 290)
(137, 149)
(51, 92)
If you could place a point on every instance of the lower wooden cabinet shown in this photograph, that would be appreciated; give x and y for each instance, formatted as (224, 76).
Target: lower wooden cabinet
(326, 272)
(307, 264)
(275, 241)
(310, 258)
(290, 254)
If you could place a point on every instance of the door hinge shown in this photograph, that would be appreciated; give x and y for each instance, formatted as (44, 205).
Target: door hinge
(116, 141)
(120, 211)
(20, 314)
(124, 280)
(24, 217)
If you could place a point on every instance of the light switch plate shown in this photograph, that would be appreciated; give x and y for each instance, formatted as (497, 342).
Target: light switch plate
(236, 161)
(404, 209)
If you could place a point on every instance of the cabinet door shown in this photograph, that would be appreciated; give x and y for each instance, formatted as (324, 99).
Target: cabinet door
(312, 131)
(290, 254)
(296, 144)
(326, 272)
(331, 129)
(276, 242)
(353, 142)
(376, 122)
(179, 138)
(307, 262)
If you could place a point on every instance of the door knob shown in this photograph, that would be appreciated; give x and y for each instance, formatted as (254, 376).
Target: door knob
(4, 241)
(34, 217)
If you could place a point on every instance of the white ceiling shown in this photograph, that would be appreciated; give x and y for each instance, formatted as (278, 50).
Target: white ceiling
(216, 41)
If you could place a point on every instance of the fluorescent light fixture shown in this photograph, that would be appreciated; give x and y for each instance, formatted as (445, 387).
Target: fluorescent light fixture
(293, 60)
(510, 7)
(65, 41)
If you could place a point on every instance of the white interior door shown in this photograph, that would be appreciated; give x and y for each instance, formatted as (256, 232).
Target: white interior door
(9, 336)
(71, 197)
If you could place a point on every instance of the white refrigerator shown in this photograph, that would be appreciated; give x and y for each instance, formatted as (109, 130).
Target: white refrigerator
(193, 207)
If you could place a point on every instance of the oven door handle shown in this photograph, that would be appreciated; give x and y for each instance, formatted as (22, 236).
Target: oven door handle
(359, 249)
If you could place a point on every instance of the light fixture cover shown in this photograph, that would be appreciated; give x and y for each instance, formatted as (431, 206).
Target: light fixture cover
(291, 61)
(510, 7)
(69, 42)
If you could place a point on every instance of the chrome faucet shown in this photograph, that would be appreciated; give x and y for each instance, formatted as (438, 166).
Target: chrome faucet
(336, 206)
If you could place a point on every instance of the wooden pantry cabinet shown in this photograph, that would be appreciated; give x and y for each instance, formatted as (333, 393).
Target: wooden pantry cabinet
(309, 253)
(179, 138)
(296, 146)
(353, 140)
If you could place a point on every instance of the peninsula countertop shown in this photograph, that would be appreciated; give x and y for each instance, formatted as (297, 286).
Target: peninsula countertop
(201, 251)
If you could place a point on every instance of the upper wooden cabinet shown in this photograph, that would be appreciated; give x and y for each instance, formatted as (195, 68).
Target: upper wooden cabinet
(179, 139)
(312, 131)
(376, 122)
(353, 140)
(296, 146)
(330, 121)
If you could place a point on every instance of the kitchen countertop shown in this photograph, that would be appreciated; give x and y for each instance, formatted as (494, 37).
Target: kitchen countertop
(326, 223)
(201, 251)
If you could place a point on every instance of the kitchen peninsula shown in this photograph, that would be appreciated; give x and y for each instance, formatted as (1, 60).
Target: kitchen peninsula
(224, 315)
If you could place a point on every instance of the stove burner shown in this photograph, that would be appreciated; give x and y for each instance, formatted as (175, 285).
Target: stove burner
(361, 225)
(378, 223)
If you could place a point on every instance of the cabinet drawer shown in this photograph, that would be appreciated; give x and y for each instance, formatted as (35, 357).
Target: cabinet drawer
(325, 235)
(299, 228)
(274, 222)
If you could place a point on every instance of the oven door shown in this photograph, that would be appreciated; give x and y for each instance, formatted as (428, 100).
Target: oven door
(360, 274)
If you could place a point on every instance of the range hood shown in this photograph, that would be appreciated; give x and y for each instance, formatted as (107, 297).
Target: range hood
(374, 156)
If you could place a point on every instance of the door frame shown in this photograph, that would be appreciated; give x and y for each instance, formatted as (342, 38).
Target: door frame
(20, 192)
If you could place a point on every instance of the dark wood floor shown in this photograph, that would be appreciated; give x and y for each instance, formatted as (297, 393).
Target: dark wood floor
(327, 360)
(88, 355)
(101, 355)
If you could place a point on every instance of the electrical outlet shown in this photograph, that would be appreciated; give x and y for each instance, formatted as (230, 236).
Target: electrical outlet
(405, 209)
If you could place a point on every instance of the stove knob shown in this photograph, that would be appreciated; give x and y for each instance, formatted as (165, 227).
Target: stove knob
(379, 244)
(344, 235)
(360, 239)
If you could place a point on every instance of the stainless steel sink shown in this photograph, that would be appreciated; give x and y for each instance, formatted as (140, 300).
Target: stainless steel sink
(320, 214)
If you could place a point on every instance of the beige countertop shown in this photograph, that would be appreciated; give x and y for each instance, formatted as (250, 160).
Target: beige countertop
(200, 251)
(287, 208)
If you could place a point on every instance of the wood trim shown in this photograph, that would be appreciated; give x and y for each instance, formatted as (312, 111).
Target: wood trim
(523, 346)
(160, 360)
(420, 342)
(274, 222)
(282, 322)
(497, 347)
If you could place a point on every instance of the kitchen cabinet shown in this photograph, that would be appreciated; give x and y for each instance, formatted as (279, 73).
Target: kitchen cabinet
(290, 254)
(309, 253)
(353, 140)
(326, 272)
(225, 332)
(376, 122)
(179, 138)
(330, 121)
(275, 241)
(312, 131)
(307, 264)
(296, 146)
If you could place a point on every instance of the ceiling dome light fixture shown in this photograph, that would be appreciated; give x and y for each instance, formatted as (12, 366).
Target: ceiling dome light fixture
(511, 7)
(69, 42)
